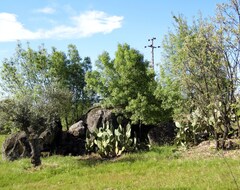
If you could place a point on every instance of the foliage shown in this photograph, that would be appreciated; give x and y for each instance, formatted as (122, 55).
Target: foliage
(42, 89)
(128, 84)
(201, 61)
(75, 82)
(6, 126)
(184, 135)
(168, 89)
(31, 81)
(194, 125)
(35, 114)
(34, 71)
(111, 142)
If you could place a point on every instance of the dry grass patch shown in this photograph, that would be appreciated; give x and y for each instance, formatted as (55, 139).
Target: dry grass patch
(207, 150)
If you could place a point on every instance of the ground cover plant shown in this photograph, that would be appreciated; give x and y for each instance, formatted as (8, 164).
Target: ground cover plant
(160, 168)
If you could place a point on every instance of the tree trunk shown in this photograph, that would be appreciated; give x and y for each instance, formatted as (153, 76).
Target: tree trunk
(140, 132)
(238, 133)
(216, 136)
(215, 129)
(35, 151)
(226, 125)
(225, 134)
(67, 124)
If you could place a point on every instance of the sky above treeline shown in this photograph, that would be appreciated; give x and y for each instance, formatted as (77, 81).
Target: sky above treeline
(93, 26)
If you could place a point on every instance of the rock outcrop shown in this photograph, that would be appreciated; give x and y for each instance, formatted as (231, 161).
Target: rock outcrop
(16, 146)
(78, 129)
(72, 142)
(161, 134)
(97, 116)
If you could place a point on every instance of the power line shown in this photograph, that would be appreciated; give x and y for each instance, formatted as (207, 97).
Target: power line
(152, 49)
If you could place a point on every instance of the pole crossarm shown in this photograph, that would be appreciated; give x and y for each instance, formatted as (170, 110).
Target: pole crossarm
(152, 49)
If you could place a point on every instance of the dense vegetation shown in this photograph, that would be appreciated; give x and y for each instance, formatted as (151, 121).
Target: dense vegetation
(201, 75)
(44, 89)
(198, 87)
(127, 84)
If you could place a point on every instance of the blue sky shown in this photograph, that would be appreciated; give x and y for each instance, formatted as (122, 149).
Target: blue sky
(93, 26)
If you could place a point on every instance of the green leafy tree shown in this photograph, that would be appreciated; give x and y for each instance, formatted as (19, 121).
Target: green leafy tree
(127, 84)
(76, 71)
(201, 61)
(193, 64)
(227, 24)
(70, 70)
(38, 97)
(33, 114)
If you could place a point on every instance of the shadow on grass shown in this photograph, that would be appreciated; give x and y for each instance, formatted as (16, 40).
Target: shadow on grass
(165, 152)
(93, 160)
(128, 159)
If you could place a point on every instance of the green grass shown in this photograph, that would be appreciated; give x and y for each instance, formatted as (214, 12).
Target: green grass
(2, 138)
(160, 168)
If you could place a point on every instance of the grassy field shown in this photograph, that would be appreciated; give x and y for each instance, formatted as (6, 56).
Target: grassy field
(160, 168)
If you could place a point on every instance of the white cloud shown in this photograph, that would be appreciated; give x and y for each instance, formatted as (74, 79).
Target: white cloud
(46, 10)
(12, 30)
(96, 22)
(83, 25)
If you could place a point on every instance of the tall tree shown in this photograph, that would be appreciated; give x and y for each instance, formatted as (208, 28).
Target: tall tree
(128, 84)
(76, 71)
(43, 88)
(36, 99)
(227, 25)
(200, 59)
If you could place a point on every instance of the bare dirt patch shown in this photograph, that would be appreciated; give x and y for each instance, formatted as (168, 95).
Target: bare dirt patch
(207, 149)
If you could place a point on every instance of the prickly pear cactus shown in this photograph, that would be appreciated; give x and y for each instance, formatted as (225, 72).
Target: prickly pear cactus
(109, 142)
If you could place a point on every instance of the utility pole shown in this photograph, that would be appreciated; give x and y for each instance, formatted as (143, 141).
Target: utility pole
(152, 49)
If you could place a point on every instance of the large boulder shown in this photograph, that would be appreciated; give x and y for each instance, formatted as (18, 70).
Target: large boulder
(51, 141)
(77, 129)
(164, 133)
(71, 145)
(72, 142)
(97, 116)
(16, 146)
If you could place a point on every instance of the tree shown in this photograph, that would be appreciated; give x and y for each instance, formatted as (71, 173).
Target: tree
(76, 71)
(200, 59)
(38, 97)
(227, 25)
(127, 84)
(70, 70)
